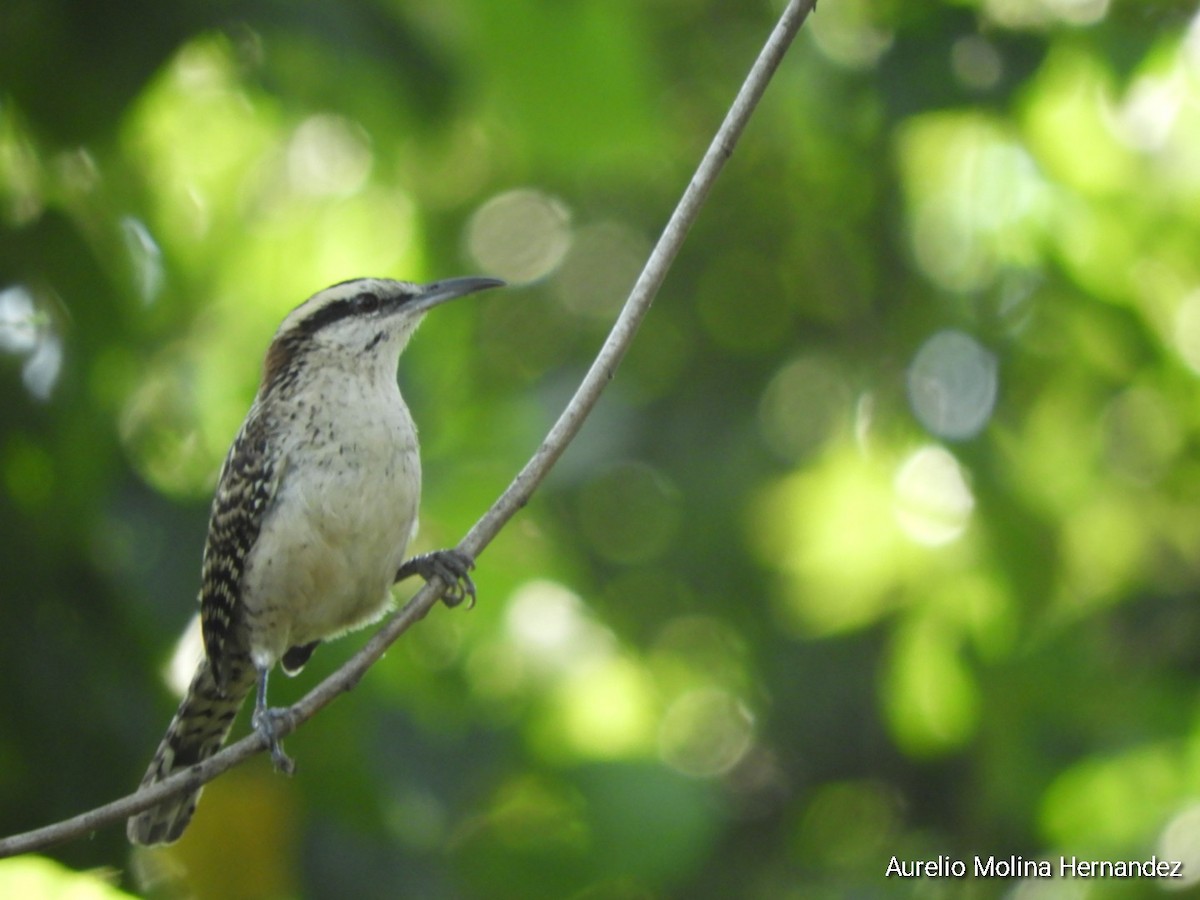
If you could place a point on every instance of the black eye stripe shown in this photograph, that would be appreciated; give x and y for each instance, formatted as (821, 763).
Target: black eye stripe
(328, 314)
(366, 302)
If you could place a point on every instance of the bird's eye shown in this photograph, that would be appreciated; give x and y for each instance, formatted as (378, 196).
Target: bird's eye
(368, 303)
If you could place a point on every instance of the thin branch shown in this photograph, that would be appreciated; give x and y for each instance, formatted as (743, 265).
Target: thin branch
(512, 500)
(647, 285)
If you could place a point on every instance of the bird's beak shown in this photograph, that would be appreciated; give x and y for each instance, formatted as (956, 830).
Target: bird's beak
(440, 291)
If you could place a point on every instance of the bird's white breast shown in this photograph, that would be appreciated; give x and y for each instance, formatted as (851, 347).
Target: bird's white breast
(344, 511)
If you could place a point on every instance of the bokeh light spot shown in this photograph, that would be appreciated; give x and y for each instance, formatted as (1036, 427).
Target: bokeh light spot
(978, 200)
(696, 650)
(18, 320)
(41, 369)
(329, 156)
(607, 712)
(952, 385)
(1044, 13)
(831, 532)
(38, 877)
(1150, 112)
(1181, 840)
(145, 257)
(599, 270)
(846, 35)
(549, 624)
(189, 650)
(418, 818)
(1078, 12)
(521, 235)
(803, 406)
(976, 62)
(933, 501)
(705, 732)
(25, 330)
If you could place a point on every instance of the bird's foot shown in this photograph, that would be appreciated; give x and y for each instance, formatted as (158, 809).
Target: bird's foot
(272, 723)
(452, 567)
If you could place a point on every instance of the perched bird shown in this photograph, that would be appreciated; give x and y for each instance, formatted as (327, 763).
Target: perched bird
(314, 509)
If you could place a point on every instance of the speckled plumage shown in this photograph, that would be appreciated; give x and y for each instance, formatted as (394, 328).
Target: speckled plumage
(314, 508)
(244, 490)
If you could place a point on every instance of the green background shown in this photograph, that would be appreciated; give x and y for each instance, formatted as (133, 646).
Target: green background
(884, 540)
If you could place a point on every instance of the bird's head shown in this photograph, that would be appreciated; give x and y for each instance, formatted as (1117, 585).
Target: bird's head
(366, 321)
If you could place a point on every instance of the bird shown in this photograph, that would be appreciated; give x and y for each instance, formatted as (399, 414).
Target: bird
(314, 509)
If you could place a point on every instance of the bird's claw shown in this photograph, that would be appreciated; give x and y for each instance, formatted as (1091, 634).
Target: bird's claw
(452, 567)
(271, 723)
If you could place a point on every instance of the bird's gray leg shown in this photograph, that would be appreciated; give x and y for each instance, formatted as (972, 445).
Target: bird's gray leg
(267, 722)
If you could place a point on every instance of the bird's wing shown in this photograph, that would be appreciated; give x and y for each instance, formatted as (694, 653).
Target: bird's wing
(248, 483)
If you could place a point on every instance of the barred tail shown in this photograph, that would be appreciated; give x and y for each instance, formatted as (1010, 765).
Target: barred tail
(197, 732)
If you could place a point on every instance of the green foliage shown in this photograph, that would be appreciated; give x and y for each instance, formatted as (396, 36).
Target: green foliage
(33, 876)
(884, 541)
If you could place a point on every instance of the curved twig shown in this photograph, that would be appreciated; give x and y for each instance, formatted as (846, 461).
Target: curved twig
(514, 497)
